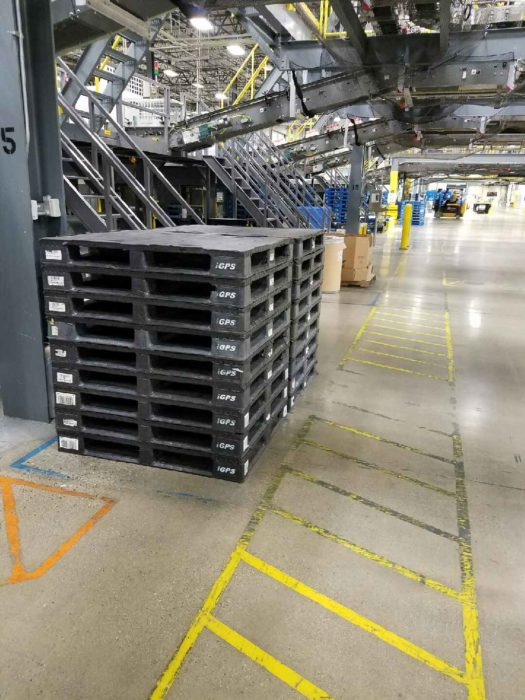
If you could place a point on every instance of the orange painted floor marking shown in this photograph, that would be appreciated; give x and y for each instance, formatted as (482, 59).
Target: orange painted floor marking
(19, 573)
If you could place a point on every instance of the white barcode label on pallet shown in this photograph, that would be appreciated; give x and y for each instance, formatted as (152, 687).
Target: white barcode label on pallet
(64, 378)
(269, 374)
(56, 306)
(268, 416)
(70, 422)
(293, 384)
(271, 280)
(246, 465)
(285, 412)
(272, 255)
(286, 373)
(270, 331)
(55, 280)
(54, 330)
(270, 352)
(285, 392)
(271, 306)
(309, 316)
(311, 281)
(60, 353)
(68, 443)
(53, 255)
(245, 443)
(246, 419)
(65, 399)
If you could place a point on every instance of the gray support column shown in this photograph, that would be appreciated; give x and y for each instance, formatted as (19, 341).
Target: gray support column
(30, 168)
(354, 190)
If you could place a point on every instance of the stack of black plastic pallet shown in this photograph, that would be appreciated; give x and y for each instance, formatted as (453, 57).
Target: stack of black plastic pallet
(305, 310)
(168, 349)
(307, 271)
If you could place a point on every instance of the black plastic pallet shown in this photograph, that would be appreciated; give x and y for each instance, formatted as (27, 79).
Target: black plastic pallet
(301, 383)
(307, 265)
(170, 453)
(305, 322)
(305, 339)
(189, 393)
(70, 355)
(305, 241)
(194, 343)
(76, 306)
(309, 297)
(169, 251)
(297, 363)
(182, 289)
(301, 287)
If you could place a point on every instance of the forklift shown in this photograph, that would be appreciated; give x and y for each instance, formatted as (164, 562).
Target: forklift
(449, 205)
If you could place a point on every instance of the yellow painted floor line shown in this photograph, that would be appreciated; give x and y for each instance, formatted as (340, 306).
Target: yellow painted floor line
(409, 330)
(411, 340)
(407, 347)
(357, 338)
(401, 357)
(368, 554)
(390, 319)
(380, 438)
(385, 635)
(372, 504)
(267, 661)
(168, 676)
(398, 369)
(375, 467)
(410, 312)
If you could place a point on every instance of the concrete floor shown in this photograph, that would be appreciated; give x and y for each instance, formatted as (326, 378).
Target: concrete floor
(372, 563)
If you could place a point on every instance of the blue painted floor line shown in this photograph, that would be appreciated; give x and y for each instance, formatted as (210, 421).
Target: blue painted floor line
(21, 462)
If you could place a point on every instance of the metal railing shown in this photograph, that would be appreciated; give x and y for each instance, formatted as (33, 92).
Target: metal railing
(151, 174)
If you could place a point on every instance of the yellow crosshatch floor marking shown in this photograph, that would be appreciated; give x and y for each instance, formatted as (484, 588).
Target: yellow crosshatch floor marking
(270, 663)
(400, 357)
(370, 465)
(397, 369)
(471, 676)
(355, 618)
(410, 340)
(407, 347)
(368, 554)
(409, 330)
(390, 318)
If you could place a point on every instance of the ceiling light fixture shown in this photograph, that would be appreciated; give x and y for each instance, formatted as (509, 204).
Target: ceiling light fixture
(220, 96)
(201, 23)
(170, 73)
(236, 50)
(199, 86)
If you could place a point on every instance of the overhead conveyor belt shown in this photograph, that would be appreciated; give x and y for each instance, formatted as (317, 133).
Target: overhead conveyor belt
(479, 72)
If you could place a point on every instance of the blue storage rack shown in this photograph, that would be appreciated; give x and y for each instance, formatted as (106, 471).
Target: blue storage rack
(336, 199)
(418, 211)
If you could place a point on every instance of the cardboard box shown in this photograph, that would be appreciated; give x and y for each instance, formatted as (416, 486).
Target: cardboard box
(358, 252)
(358, 274)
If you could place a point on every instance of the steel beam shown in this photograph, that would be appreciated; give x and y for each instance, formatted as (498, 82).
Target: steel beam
(351, 23)
(30, 168)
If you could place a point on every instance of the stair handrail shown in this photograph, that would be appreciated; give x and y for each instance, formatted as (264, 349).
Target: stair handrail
(127, 138)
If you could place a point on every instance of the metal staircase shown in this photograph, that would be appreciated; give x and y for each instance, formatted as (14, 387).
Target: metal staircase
(99, 186)
(123, 53)
(271, 189)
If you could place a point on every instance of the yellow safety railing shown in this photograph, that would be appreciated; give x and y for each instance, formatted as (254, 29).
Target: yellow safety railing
(297, 127)
(321, 23)
(104, 63)
(249, 86)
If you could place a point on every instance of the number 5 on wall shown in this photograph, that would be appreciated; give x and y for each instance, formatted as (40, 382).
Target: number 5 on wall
(8, 143)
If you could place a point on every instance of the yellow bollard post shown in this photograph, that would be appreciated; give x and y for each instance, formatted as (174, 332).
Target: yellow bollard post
(407, 223)
(391, 210)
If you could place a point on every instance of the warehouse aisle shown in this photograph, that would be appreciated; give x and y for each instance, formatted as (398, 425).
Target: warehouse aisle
(375, 551)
